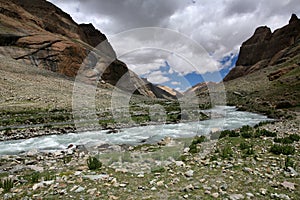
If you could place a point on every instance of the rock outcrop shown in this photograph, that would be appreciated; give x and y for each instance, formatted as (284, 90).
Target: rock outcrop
(265, 48)
(39, 33)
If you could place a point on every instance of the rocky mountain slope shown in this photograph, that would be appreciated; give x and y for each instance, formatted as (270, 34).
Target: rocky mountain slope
(267, 74)
(265, 49)
(266, 78)
(38, 33)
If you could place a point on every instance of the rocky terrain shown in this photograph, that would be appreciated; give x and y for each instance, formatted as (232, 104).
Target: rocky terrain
(38, 42)
(38, 33)
(265, 49)
(266, 78)
(243, 164)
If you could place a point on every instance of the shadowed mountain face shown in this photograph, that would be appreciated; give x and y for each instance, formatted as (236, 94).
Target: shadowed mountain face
(265, 48)
(39, 33)
(266, 78)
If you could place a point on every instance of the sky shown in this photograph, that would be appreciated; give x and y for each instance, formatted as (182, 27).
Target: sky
(194, 40)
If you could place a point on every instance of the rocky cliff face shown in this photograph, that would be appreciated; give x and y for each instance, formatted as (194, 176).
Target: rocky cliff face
(39, 33)
(265, 48)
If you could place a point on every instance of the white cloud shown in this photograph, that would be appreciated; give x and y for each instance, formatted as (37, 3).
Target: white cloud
(157, 77)
(175, 83)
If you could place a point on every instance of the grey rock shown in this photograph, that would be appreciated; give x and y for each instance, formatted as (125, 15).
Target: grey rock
(279, 196)
(79, 189)
(288, 185)
(250, 195)
(292, 171)
(236, 196)
(189, 173)
(97, 177)
(224, 187)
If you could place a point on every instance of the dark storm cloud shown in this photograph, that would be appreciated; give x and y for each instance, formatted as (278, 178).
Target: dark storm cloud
(219, 26)
(128, 14)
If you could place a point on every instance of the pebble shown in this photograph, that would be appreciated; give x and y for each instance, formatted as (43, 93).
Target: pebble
(250, 195)
(140, 175)
(92, 191)
(188, 188)
(263, 191)
(292, 171)
(288, 185)
(215, 195)
(153, 189)
(189, 173)
(280, 196)
(236, 196)
(160, 183)
(79, 189)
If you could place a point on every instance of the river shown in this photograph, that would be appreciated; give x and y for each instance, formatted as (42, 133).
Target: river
(226, 118)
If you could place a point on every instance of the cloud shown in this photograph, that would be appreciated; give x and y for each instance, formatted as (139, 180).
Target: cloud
(157, 77)
(175, 83)
(219, 27)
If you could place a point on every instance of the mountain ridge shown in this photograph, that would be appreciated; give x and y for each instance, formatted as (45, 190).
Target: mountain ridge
(265, 48)
(41, 34)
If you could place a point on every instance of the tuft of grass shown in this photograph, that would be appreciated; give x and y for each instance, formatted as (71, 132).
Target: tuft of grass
(93, 163)
(158, 169)
(34, 177)
(7, 184)
(288, 162)
(244, 146)
(197, 140)
(226, 152)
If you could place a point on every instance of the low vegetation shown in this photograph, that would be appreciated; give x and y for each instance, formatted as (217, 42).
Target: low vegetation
(93, 163)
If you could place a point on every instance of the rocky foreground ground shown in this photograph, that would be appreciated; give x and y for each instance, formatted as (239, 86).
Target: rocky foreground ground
(249, 163)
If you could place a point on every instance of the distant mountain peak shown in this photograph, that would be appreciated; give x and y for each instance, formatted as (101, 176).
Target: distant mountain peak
(265, 48)
(293, 18)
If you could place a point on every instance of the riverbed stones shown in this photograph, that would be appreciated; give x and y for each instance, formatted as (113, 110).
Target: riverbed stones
(288, 185)
(236, 196)
(189, 173)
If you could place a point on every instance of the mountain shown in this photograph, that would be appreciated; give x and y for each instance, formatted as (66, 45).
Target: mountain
(38, 33)
(265, 48)
(266, 78)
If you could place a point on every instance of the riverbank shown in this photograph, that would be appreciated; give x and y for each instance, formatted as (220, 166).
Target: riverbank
(237, 166)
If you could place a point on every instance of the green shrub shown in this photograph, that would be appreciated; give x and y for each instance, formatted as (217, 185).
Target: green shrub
(246, 128)
(266, 133)
(7, 184)
(226, 152)
(198, 139)
(288, 162)
(234, 134)
(193, 148)
(282, 149)
(244, 146)
(249, 151)
(285, 140)
(93, 163)
(294, 137)
(246, 134)
(34, 177)
(226, 133)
